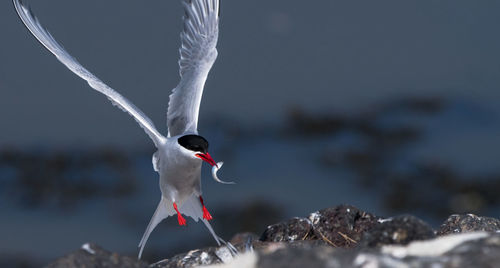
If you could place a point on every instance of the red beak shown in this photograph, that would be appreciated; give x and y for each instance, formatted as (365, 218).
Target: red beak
(207, 158)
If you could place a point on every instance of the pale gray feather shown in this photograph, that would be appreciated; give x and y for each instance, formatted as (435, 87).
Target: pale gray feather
(46, 39)
(197, 55)
(163, 211)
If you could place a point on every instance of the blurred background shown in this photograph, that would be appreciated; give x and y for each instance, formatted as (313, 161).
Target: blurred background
(391, 106)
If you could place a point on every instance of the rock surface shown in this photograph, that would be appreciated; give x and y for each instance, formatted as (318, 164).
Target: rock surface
(91, 255)
(196, 257)
(294, 229)
(398, 230)
(341, 236)
(342, 226)
(480, 252)
(468, 223)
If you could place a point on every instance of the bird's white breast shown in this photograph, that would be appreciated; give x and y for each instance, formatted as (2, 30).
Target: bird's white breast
(179, 171)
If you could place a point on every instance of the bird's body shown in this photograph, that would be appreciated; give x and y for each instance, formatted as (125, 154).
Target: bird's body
(171, 163)
(179, 155)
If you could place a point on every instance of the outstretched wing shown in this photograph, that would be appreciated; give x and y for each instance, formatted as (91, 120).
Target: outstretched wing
(197, 55)
(51, 44)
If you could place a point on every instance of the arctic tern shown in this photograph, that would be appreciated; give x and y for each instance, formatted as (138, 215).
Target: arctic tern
(179, 156)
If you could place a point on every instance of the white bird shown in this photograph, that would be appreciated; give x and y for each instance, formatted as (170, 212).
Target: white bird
(179, 156)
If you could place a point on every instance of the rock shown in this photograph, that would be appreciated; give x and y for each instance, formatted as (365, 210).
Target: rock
(197, 257)
(468, 223)
(399, 230)
(342, 226)
(342, 236)
(305, 255)
(462, 250)
(459, 250)
(91, 255)
(478, 253)
(291, 230)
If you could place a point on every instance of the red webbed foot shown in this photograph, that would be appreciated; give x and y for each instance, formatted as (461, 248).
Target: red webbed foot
(180, 219)
(206, 214)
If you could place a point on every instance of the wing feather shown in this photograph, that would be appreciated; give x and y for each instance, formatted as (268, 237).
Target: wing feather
(197, 55)
(48, 41)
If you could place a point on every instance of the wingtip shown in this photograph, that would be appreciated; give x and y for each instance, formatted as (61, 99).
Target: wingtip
(21, 7)
(18, 5)
(218, 7)
(141, 248)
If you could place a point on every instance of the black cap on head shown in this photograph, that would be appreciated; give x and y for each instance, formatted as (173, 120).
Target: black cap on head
(194, 143)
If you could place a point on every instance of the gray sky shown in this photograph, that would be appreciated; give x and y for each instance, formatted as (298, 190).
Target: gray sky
(322, 55)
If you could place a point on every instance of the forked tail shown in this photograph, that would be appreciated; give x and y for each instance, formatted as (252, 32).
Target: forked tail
(190, 207)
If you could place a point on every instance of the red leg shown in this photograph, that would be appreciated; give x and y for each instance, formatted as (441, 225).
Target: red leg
(180, 219)
(206, 214)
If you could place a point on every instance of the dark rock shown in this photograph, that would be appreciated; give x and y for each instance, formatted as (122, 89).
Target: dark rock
(291, 230)
(468, 223)
(300, 255)
(341, 226)
(328, 239)
(398, 230)
(91, 255)
(214, 255)
(478, 251)
(197, 257)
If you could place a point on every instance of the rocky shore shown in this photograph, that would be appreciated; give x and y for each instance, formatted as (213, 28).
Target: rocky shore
(341, 236)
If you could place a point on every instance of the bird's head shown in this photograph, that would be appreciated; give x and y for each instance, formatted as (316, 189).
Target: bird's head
(197, 146)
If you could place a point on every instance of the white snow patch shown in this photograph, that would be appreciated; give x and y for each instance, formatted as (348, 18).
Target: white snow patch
(366, 261)
(432, 248)
(246, 260)
(292, 237)
(160, 262)
(204, 256)
(373, 261)
(190, 254)
(224, 254)
(314, 217)
(302, 219)
(87, 248)
(384, 220)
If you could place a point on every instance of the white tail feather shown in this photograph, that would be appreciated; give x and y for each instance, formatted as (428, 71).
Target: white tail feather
(163, 210)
